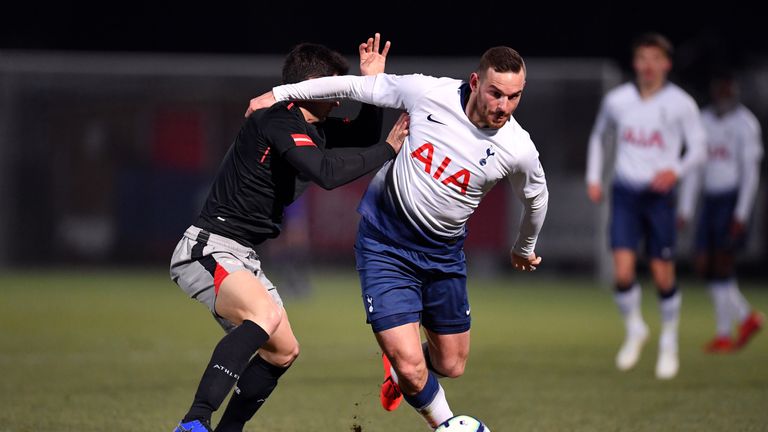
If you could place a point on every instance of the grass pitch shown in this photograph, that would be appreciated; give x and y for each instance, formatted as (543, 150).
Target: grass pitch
(112, 351)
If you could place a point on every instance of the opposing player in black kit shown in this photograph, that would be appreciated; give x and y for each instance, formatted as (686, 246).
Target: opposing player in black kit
(275, 156)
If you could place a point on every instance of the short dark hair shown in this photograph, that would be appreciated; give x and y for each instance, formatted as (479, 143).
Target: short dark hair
(653, 39)
(501, 59)
(309, 60)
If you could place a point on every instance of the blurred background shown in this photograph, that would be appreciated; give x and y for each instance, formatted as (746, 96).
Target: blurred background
(114, 118)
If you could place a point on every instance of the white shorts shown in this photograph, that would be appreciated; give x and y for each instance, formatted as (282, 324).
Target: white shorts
(202, 260)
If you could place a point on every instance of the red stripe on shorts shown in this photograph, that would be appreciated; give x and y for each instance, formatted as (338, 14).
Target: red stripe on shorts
(218, 277)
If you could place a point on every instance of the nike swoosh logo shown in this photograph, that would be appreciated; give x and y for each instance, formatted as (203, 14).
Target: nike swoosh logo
(429, 117)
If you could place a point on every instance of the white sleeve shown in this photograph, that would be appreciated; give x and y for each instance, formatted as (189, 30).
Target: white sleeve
(359, 88)
(695, 140)
(689, 192)
(384, 90)
(533, 220)
(530, 185)
(751, 155)
(595, 157)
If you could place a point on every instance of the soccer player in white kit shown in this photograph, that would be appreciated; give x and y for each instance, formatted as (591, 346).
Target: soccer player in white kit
(462, 141)
(729, 181)
(650, 119)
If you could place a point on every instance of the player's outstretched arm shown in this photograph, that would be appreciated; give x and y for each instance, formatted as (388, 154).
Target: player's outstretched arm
(371, 61)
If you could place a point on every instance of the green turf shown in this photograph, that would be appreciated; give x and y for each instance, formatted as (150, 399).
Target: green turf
(123, 352)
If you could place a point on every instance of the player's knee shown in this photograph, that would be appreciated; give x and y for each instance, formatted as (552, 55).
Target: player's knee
(283, 356)
(411, 374)
(664, 281)
(451, 366)
(723, 268)
(625, 278)
(664, 284)
(454, 369)
(291, 355)
(267, 316)
(722, 272)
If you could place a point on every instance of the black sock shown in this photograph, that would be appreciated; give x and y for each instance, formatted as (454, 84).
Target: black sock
(229, 358)
(253, 388)
(663, 295)
(620, 288)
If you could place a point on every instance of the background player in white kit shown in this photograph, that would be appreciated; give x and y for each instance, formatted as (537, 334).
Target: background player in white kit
(462, 140)
(650, 118)
(729, 181)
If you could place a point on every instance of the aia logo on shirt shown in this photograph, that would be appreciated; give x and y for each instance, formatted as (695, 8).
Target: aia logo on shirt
(642, 138)
(458, 179)
(719, 152)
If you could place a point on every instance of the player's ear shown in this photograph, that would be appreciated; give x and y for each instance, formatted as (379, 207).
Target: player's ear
(668, 65)
(474, 79)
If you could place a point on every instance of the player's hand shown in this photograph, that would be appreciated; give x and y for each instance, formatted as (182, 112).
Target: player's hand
(371, 61)
(681, 223)
(264, 101)
(528, 264)
(664, 181)
(399, 131)
(595, 192)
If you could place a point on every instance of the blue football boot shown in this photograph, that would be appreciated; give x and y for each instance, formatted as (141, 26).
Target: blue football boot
(194, 426)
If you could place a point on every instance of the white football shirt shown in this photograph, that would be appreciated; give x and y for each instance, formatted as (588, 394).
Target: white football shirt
(649, 134)
(447, 164)
(734, 152)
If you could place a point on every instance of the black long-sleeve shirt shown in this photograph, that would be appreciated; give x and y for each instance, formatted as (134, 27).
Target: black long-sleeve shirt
(275, 156)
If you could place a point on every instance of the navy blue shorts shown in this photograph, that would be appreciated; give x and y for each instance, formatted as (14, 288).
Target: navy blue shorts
(401, 286)
(713, 229)
(641, 215)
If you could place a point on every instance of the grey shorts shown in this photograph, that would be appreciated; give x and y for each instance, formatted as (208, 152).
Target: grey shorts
(202, 260)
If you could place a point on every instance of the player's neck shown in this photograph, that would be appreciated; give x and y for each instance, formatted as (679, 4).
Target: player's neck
(724, 107)
(309, 117)
(648, 89)
(470, 109)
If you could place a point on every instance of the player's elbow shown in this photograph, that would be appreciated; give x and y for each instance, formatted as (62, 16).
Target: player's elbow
(540, 201)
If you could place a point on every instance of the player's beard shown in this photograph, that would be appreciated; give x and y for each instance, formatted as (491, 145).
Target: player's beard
(490, 116)
(496, 119)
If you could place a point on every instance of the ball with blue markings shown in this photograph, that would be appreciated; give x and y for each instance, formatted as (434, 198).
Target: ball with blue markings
(462, 423)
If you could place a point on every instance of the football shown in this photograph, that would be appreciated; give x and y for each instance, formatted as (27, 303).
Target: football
(462, 423)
